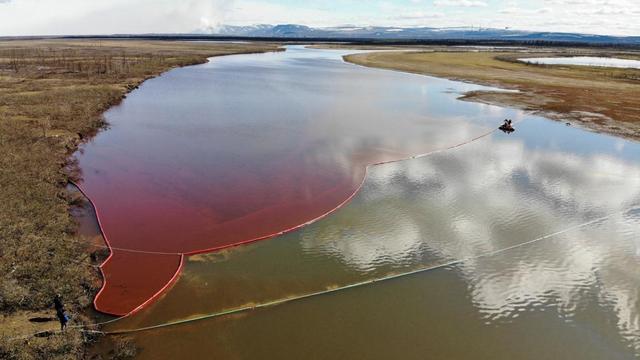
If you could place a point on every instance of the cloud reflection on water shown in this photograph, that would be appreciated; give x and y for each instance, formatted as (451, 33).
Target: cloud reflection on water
(500, 192)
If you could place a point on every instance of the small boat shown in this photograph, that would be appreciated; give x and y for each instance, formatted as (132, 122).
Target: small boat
(507, 127)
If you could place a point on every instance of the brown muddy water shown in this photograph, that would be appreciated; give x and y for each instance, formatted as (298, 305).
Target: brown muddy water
(575, 295)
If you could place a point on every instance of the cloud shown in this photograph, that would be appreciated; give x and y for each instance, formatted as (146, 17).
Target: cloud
(460, 3)
(520, 11)
(417, 15)
(55, 17)
(48, 17)
(612, 17)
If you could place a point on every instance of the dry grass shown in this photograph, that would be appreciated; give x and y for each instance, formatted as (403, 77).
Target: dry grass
(52, 95)
(602, 99)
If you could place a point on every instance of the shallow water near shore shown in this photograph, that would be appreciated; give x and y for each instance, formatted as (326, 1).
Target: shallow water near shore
(574, 295)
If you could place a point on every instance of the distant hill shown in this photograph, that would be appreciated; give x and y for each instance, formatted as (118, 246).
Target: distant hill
(376, 35)
(414, 33)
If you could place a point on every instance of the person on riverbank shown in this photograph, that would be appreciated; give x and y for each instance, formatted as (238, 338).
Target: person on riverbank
(63, 318)
(60, 313)
(57, 303)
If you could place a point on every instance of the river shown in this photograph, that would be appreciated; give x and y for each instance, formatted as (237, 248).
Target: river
(245, 146)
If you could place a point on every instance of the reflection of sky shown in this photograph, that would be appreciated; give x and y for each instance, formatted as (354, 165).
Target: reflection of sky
(536, 134)
(462, 203)
(497, 192)
(247, 146)
(505, 190)
(562, 271)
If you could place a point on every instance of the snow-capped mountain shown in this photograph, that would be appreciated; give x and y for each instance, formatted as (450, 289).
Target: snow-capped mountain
(398, 33)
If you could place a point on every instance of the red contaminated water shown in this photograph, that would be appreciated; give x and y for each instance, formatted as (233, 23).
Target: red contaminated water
(241, 149)
(159, 226)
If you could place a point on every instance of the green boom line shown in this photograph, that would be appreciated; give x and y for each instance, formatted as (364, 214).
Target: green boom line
(360, 284)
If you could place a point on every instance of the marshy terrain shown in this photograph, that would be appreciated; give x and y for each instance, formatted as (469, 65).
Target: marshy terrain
(52, 96)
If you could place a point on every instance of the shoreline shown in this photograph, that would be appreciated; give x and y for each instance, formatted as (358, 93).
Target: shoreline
(527, 98)
(71, 142)
(593, 122)
(53, 97)
(297, 226)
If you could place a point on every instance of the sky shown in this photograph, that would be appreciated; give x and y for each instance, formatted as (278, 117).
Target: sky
(70, 17)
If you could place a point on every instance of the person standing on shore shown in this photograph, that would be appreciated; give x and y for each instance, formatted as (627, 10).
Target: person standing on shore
(57, 303)
(63, 318)
(60, 313)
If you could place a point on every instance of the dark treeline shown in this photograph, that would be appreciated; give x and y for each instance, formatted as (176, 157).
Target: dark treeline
(630, 43)
(601, 43)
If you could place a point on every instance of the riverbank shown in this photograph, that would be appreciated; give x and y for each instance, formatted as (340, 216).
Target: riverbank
(52, 96)
(599, 99)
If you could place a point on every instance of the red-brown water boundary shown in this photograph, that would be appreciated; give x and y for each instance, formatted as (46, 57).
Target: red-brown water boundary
(182, 255)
